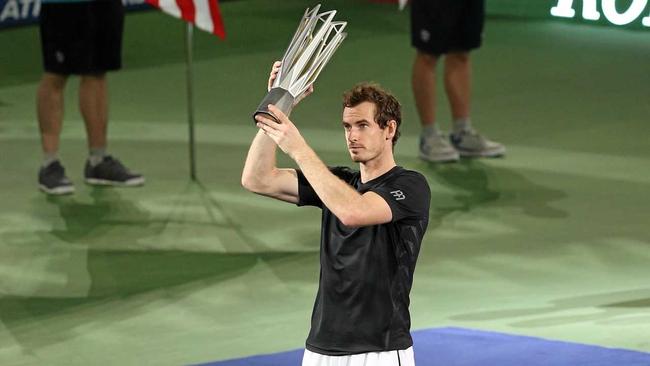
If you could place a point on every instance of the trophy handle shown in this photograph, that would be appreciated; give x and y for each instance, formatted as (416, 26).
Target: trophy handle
(279, 97)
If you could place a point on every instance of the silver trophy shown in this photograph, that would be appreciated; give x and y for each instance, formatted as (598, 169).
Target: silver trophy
(312, 46)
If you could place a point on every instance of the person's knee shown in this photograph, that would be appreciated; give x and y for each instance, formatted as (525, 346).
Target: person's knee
(52, 81)
(96, 77)
(427, 58)
(458, 57)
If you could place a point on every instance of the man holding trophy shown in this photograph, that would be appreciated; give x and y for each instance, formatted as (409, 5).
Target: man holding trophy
(373, 219)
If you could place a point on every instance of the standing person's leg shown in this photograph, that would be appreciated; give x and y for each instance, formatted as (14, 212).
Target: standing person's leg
(458, 82)
(93, 104)
(106, 51)
(54, 29)
(423, 82)
(429, 36)
(50, 107)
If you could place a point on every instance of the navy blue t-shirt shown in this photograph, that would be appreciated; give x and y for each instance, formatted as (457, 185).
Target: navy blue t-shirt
(367, 272)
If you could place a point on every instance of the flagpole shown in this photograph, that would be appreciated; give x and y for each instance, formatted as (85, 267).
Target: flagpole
(189, 28)
(189, 14)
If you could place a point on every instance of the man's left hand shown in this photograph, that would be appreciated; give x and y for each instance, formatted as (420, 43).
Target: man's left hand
(284, 133)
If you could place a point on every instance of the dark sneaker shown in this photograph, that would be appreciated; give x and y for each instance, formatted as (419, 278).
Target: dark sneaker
(52, 179)
(111, 172)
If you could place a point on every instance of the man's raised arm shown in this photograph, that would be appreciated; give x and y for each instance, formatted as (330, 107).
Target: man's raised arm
(261, 176)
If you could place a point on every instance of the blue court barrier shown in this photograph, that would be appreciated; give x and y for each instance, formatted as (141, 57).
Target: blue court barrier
(470, 347)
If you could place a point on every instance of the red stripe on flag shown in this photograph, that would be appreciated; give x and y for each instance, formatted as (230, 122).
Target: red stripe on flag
(188, 11)
(217, 21)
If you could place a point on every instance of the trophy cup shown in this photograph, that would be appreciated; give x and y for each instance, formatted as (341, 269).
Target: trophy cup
(312, 46)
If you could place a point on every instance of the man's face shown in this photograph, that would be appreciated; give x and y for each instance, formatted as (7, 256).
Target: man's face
(365, 139)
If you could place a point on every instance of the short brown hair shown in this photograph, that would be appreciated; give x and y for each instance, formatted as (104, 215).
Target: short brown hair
(386, 105)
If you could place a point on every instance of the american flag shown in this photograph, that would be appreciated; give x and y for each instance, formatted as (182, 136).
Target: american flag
(204, 14)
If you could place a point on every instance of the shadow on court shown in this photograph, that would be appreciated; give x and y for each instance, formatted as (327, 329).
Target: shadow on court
(106, 212)
(474, 184)
(102, 253)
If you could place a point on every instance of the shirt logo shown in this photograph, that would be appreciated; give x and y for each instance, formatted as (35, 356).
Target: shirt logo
(399, 195)
(60, 57)
(425, 36)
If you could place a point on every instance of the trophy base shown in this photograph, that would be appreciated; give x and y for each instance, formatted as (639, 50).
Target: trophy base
(280, 98)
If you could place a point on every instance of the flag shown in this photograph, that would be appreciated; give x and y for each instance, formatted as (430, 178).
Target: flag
(204, 14)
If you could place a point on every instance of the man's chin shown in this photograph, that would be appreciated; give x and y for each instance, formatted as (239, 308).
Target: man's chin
(356, 158)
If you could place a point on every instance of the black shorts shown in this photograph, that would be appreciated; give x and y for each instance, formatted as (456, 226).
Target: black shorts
(442, 26)
(83, 37)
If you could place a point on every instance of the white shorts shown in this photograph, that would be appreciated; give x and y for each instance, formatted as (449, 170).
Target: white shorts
(389, 358)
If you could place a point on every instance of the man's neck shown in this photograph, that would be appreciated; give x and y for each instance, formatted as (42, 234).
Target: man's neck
(376, 167)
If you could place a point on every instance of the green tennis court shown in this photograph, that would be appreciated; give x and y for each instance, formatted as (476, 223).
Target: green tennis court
(551, 241)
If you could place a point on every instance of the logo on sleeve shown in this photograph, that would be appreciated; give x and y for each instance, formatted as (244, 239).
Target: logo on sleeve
(399, 195)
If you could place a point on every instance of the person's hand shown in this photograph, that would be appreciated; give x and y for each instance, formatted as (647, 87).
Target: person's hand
(284, 133)
(304, 95)
(274, 74)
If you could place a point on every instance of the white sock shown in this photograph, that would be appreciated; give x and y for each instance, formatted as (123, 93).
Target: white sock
(430, 130)
(49, 158)
(461, 125)
(96, 155)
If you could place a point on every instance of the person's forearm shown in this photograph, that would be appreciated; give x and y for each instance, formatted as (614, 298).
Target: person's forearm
(337, 195)
(260, 162)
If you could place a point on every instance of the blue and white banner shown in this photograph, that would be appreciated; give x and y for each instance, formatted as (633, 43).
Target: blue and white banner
(22, 12)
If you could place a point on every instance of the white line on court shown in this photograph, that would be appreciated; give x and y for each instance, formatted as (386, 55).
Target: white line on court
(583, 164)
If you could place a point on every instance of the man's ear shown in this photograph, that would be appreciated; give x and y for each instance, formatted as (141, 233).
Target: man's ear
(391, 126)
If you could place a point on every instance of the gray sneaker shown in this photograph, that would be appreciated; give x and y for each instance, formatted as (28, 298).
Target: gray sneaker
(437, 149)
(470, 143)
